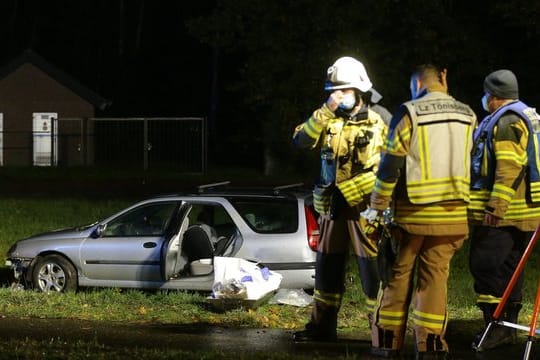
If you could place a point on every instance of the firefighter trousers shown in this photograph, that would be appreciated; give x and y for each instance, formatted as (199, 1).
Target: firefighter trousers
(337, 236)
(494, 255)
(430, 256)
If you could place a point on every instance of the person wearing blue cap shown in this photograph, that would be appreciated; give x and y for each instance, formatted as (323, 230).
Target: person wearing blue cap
(505, 200)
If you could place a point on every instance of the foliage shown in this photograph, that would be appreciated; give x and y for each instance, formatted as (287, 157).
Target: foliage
(278, 52)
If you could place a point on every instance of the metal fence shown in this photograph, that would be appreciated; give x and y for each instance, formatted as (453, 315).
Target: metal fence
(178, 144)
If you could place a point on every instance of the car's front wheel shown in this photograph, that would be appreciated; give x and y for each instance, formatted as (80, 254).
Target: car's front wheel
(54, 273)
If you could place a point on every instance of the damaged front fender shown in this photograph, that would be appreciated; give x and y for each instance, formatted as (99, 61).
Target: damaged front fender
(20, 267)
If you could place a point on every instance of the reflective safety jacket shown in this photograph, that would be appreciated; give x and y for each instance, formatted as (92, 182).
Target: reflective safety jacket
(425, 166)
(505, 170)
(435, 170)
(350, 152)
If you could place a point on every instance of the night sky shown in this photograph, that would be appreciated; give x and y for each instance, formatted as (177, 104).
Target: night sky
(137, 54)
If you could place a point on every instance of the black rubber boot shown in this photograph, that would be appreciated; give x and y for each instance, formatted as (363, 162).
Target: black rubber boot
(385, 339)
(322, 326)
(329, 288)
(312, 333)
(498, 335)
(434, 347)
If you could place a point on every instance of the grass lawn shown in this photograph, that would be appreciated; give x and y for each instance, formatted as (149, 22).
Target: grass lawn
(21, 217)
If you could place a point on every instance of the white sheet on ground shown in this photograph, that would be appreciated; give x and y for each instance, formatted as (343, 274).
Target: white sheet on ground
(252, 281)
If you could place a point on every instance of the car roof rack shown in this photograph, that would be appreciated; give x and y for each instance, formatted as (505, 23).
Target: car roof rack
(278, 189)
(202, 188)
(221, 188)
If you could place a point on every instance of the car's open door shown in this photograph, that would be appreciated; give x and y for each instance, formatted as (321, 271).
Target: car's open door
(171, 256)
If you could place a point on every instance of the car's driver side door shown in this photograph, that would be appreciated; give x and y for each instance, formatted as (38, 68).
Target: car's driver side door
(130, 246)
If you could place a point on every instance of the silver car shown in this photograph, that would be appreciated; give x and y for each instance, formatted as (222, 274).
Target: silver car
(169, 242)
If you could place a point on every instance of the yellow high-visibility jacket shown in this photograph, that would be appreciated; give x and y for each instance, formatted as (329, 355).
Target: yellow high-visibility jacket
(507, 197)
(426, 165)
(355, 144)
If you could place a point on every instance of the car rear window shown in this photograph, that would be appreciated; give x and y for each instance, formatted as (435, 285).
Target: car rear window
(268, 215)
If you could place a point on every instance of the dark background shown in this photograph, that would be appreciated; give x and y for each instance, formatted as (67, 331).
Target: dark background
(256, 68)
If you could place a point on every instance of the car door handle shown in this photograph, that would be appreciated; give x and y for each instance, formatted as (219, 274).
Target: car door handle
(149, 245)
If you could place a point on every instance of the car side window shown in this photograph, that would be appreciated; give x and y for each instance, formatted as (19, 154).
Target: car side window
(213, 215)
(145, 220)
(267, 216)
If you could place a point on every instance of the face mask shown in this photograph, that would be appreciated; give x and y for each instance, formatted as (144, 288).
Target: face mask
(485, 102)
(348, 101)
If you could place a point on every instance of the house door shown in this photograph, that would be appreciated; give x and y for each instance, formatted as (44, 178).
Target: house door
(45, 131)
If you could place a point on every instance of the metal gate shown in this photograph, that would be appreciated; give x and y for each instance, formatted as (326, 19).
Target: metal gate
(177, 144)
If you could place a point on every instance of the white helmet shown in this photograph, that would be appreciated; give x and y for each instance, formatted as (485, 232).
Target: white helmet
(347, 72)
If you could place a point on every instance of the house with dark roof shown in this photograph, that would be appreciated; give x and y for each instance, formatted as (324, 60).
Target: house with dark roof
(34, 94)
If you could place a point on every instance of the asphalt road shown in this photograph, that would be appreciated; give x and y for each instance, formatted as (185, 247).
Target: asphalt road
(233, 340)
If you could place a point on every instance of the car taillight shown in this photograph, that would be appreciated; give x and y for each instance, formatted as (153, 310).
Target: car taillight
(312, 229)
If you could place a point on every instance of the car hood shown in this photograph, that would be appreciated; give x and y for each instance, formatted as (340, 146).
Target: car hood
(52, 240)
(74, 232)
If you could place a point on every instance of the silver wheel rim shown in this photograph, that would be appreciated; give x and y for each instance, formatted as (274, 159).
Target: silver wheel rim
(51, 277)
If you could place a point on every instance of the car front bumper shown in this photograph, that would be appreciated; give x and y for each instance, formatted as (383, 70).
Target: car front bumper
(19, 266)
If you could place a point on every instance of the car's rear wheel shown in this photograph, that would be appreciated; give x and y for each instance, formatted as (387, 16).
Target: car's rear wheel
(54, 273)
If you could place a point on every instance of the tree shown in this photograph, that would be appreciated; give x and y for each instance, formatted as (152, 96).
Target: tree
(281, 50)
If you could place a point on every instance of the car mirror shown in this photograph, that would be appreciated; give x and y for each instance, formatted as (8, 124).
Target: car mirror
(99, 230)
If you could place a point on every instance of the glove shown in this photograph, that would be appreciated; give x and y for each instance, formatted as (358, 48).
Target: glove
(370, 214)
(373, 224)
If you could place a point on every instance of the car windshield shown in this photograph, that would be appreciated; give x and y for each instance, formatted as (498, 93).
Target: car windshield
(268, 215)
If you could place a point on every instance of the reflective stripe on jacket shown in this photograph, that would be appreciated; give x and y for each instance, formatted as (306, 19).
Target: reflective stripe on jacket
(437, 120)
(355, 145)
(483, 160)
(506, 142)
(423, 171)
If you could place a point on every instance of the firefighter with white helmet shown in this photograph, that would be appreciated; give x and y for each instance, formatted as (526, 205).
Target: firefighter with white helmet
(350, 136)
(347, 72)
